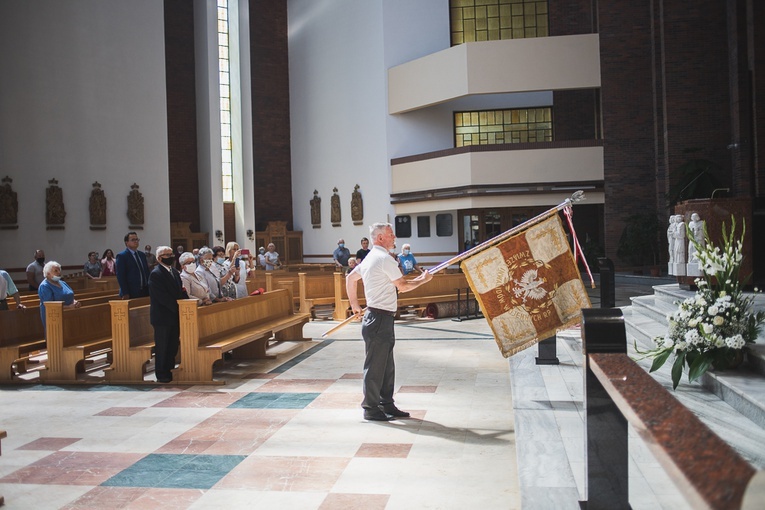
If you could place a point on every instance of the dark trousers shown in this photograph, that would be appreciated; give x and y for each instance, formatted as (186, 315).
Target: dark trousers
(166, 342)
(379, 368)
(3, 304)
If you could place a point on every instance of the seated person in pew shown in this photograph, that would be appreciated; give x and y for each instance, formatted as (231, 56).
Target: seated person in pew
(53, 288)
(8, 289)
(195, 285)
(165, 289)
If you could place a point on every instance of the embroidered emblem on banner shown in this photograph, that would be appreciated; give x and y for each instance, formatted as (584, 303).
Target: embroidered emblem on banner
(528, 286)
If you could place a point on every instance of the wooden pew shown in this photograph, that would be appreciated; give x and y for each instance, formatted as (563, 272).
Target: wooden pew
(21, 334)
(243, 326)
(34, 300)
(103, 283)
(284, 281)
(442, 288)
(342, 304)
(132, 341)
(73, 336)
(315, 290)
(309, 268)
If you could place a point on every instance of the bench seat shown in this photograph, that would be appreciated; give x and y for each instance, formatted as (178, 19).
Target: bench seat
(132, 341)
(73, 337)
(243, 326)
(21, 334)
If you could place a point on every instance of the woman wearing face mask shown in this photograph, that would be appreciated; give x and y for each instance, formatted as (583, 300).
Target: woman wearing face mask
(205, 270)
(262, 257)
(225, 273)
(53, 288)
(195, 286)
(406, 260)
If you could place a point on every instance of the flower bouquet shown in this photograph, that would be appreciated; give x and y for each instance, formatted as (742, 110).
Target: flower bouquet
(711, 328)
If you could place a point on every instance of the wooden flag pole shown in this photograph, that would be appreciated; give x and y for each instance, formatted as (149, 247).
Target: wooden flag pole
(578, 196)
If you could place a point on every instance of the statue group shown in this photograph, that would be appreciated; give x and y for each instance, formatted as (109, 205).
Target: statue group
(683, 259)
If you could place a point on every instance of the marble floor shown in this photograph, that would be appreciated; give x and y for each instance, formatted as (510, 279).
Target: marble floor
(485, 432)
(284, 433)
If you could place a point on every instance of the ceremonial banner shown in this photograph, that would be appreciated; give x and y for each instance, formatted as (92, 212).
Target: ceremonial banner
(528, 286)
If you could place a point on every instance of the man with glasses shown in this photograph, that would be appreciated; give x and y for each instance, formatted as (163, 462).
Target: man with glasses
(132, 269)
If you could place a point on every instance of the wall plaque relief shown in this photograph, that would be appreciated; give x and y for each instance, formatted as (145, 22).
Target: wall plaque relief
(97, 207)
(335, 209)
(55, 213)
(9, 206)
(357, 206)
(135, 208)
(315, 209)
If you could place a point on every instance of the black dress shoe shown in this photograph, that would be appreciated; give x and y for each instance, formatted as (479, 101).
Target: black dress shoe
(376, 415)
(394, 411)
(165, 380)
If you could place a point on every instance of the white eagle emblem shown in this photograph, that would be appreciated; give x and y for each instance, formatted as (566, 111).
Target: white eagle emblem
(529, 286)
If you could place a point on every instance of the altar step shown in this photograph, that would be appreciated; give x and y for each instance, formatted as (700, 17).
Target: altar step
(743, 389)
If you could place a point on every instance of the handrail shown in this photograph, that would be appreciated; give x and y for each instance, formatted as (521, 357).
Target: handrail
(707, 471)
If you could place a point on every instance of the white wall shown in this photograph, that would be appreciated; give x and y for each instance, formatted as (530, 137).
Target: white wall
(338, 110)
(82, 98)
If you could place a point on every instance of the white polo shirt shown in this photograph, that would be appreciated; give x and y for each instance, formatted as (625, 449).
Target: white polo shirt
(378, 270)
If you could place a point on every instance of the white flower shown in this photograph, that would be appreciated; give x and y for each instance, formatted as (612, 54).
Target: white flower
(691, 336)
(713, 310)
(735, 342)
(719, 342)
(708, 328)
(718, 321)
(693, 323)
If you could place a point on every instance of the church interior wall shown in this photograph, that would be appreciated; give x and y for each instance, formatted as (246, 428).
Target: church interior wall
(337, 116)
(82, 99)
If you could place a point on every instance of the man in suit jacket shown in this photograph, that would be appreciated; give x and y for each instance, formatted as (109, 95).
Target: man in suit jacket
(132, 269)
(165, 289)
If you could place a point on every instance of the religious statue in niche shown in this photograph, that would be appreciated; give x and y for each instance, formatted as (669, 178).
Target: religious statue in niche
(97, 207)
(315, 209)
(357, 206)
(135, 207)
(335, 209)
(54, 206)
(9, 205)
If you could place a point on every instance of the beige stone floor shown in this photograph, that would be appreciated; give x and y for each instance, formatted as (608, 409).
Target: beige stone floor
(286, 433)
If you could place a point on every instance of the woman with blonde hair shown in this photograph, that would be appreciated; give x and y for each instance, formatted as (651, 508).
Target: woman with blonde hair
(242, 266)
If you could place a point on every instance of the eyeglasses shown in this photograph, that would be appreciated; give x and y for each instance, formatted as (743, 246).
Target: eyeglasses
(133, 240)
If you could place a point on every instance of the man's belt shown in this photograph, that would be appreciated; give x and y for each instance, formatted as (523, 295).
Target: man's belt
(382, 312)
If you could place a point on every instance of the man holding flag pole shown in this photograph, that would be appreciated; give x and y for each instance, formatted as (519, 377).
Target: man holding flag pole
(382, 278)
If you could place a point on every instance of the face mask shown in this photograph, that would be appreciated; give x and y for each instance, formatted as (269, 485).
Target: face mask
(55, 278)
(190, 268)
(221, 260)
(168, 261)
(207, 263)
(341, 245)
(406, 252)
(41, 261)
(262, 251)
